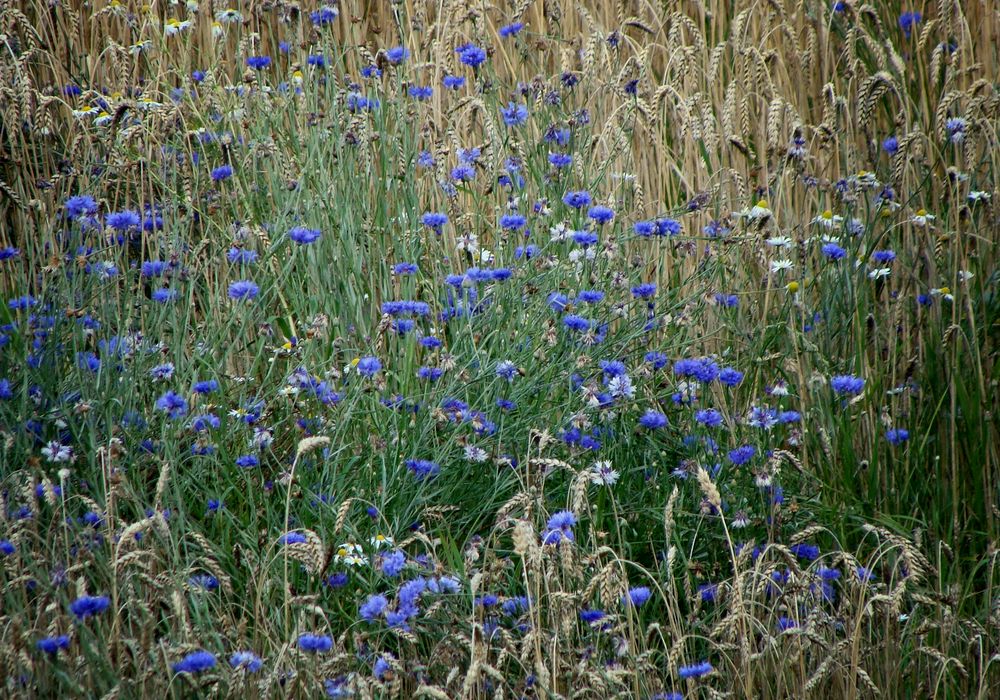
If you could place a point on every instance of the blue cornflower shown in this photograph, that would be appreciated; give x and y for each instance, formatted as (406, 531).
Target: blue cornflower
(557, 302)
(509, 30)
(86, 606)
(195, 662)
(883, 257)
(392, 564)
(303, 235)
(513, 222)
(369, 366)
(397, 55)
(453, 82)
(559, 527)
(205, 387)
(653, 420)
(897, 436)
(153, 268)
(657, 359)
(507, 370)
(809, 552)
(7, 548)
(560, 160)
(585, 238)
(590, 296)
(292, 538)
(80, 206)
(123, 220)
(709, 417)
(420, 92)
(644, 228)
(786, 623)
(434, 220)
(381, 668)
(325, 15)
(471, 55)
(514, 114)
(247, 461)
(741, 455)
(591, 615)
(243, 290)
(316, 60)
(644, 291)
(846, 384)
(577, 200)
(909, 20)
(695, 670)
(601, 214)
(258, 62)
(667, 227)
(162, 372)
(315, 643)
(205, 422)
(637, 596)
(241, 255)
(577, 323)
(246, 660)
(223, 172)
(164, 295)
(423, 469)
(834, 251)
(51, 645)
(730, 376)
(890, 145)
(373, 607)
(22, 303)
(173, 404)
(404, 268)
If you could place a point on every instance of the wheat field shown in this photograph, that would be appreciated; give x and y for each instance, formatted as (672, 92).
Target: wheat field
(535, 349)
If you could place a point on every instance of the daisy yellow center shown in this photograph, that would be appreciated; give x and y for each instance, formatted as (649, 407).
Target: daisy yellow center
(792, 286)
(921, 212)
(762, 204)
(946, 290)
(827, 214)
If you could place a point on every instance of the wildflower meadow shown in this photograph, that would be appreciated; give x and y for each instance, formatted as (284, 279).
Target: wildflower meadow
(514, 349)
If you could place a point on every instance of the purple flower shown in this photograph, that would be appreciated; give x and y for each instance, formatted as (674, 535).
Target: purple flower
(80, 206)
(742, 455)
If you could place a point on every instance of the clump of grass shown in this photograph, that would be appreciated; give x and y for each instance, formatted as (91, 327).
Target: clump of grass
(528, 350)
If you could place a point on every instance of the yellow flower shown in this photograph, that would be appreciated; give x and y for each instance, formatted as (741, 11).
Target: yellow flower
(792, 286)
